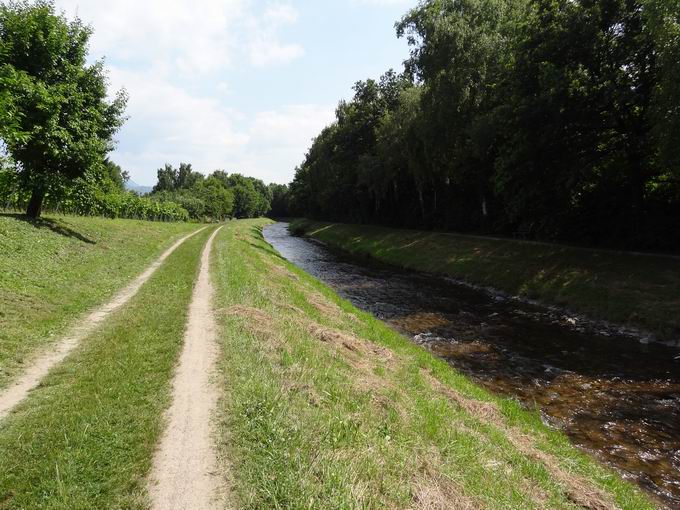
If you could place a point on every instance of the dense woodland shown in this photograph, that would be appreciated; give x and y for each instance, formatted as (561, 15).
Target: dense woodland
(551, 119)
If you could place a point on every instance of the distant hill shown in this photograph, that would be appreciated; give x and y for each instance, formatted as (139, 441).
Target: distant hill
(142, 190)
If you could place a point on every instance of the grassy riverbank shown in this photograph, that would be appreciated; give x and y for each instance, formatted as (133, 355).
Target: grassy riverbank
(85, 438)
(326, 407)
(55, 269)
(636, 290)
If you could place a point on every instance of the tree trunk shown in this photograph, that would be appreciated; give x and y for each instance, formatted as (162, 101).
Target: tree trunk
(35, 204)
(637, 196)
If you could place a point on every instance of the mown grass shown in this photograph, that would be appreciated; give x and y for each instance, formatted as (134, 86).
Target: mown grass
(637, 290)
(85, 438)
(327, 407)
(53, 270)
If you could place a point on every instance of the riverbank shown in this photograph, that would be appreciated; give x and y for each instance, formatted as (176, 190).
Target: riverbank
(634, 290)
(325, 406)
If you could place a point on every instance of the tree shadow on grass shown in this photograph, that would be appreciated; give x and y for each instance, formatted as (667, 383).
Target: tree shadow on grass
(267, 248)
(56, 226)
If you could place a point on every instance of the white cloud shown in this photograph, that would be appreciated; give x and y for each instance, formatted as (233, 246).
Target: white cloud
(173, 57)
(281, 136)
(265, 48)
(195, 37)
(169, 125)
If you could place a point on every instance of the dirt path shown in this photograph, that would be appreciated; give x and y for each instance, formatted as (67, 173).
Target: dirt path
(39, 368)
(184, 473)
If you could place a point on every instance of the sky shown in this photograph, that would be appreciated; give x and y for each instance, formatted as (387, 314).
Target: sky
(236, 85)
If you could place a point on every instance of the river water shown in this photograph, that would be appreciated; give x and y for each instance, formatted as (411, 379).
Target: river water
(612, 395)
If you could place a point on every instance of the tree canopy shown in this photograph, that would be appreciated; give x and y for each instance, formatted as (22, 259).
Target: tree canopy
(218, 196)
(58, 122)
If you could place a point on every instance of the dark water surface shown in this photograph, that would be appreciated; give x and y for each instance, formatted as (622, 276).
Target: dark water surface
(614, 396)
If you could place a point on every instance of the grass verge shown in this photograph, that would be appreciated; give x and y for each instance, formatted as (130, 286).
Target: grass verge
(327, 407)
(636, 290)
(86, 437)
(54, 269)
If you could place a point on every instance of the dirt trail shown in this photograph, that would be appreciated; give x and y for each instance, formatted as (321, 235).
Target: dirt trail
(40, 367)
(184, 473)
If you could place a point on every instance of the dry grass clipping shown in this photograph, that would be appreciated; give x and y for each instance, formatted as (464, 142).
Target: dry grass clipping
(256, 320)
(576, 488)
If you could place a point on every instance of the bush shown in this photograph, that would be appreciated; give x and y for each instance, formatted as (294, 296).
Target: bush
(85, 197)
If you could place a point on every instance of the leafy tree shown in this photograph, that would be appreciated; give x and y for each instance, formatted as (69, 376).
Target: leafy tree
(218, 199)
(280, 204)
(663, 17)
(59, 102)
(555, 118)
(175, 179)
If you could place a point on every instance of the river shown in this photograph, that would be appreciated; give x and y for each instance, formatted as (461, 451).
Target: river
(615, 397)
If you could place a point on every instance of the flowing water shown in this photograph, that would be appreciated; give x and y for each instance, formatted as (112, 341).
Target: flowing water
(614, 396)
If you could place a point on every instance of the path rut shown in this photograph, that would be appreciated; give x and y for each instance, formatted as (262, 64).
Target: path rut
(185, 470)
(30, 379)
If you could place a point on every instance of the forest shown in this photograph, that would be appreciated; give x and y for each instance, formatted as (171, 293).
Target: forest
(556, 120)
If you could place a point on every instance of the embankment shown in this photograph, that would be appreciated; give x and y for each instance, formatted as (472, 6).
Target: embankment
(327, 407)
(630, 289)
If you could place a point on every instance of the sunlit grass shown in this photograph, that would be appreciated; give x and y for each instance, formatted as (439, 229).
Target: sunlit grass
(85, 438)
(628, 289)
(327, 407)
(53, 270)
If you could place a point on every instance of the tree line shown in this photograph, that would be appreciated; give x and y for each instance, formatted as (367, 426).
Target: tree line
(551, 119)
(218, 196)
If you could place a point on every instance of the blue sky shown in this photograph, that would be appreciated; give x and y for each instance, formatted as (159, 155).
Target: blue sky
(238, 85)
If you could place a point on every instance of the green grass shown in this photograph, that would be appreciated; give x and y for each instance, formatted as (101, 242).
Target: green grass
(53, 270)
(326, 407)
(631, 289)
(85, 438)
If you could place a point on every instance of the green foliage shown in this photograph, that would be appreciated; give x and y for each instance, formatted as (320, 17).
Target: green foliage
(252, 198)
(98, 193)
(52, 271)
(57, 102)
(280, 203)
(216, 197)
(553, 118)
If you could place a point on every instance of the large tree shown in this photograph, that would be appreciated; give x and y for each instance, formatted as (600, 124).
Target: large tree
(59, 102)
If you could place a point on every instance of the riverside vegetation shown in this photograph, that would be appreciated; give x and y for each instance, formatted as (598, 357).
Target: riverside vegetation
(638, 290)
(322, 406)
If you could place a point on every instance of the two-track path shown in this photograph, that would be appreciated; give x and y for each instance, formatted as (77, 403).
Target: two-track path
(185, 471)
(30, 379)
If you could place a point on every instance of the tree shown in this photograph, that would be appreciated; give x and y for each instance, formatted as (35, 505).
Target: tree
(60, 102)
(280, 204)
(664, 23)
(219, 200)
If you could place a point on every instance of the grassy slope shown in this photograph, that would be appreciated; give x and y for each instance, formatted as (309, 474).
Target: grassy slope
(54, 270)
(637, 290)
(85, 439)
(326, 407)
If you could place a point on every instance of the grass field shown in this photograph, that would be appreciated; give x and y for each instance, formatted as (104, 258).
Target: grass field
(85, 439)
(53, 270)
(326, 407)
(322, 406)
(636, 290)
